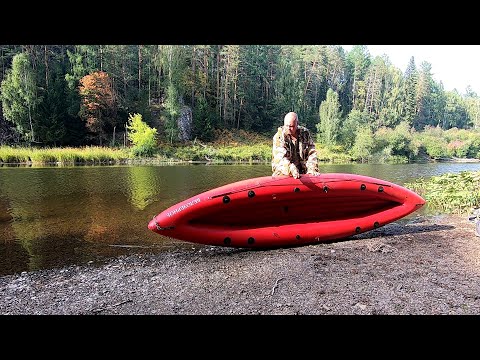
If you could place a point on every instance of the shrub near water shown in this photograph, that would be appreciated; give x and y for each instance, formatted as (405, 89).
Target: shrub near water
(451, 193)
(141, 135)
(10, 155)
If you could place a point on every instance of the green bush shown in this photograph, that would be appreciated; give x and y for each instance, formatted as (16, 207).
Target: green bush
(142, 136)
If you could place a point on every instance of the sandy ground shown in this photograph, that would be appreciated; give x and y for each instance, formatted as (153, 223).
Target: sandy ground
(420, 265)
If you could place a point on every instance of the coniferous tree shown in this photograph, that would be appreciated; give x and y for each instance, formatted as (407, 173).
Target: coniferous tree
(410, 93)
(330, 118)
(424, 96)
(391, 111)
(374, 83)
(472, 103)
(52, 129)
(438, 101)
(337, 76)
(358, 62)
(455, 111)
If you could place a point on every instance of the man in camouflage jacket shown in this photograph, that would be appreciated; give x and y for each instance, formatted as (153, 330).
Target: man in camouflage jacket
(293, 151)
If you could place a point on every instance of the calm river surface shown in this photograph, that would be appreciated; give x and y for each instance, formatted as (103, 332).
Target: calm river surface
(57, 216)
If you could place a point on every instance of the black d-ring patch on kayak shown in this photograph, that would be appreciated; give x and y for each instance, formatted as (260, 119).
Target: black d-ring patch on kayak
(227, 241)
(251, 193)
(376, 224)
(380, 189)
(297, 237)
(296, 190)
(226, 199)
(325, 189)
(357, 229)
(251, 240)
(363, 187)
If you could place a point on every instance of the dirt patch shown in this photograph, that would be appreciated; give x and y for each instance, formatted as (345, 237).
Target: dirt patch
(420, 265)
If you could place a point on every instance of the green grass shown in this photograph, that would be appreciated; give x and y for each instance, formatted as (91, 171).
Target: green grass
(450, 193)
(83, 155)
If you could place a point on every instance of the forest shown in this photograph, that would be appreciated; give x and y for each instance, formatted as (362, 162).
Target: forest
(55, 96)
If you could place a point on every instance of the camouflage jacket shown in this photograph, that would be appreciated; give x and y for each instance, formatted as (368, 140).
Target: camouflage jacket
(303, 154)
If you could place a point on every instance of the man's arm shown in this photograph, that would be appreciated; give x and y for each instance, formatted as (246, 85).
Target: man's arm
(312, 161)
(280, 164)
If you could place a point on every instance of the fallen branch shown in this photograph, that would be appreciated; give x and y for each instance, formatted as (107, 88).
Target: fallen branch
(276, 284)
(111, 306)
(123, 302)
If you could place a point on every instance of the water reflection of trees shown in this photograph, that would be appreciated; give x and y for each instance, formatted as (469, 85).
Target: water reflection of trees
(142, 186)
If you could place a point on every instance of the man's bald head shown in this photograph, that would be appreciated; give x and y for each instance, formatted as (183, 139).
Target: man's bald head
(290, 123)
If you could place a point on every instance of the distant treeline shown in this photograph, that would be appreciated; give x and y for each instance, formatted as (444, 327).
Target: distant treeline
(76, 95)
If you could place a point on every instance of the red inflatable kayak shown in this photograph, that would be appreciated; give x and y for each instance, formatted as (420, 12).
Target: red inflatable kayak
(283, 211)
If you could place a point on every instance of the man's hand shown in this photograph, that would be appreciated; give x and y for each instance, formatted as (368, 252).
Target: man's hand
(294, 171)
(314, 173)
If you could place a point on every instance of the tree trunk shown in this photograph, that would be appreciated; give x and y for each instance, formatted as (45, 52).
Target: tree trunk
(353, 86)
(149, 84)
(31, 123)
(218, 82)
(193, 78)
(101, 57)
(139, 68)
(124, 76)
(46, 67)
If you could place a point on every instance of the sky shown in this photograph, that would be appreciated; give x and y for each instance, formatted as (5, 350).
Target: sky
(456, 66)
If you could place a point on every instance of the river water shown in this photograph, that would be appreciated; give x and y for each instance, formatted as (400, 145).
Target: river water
(57, 216)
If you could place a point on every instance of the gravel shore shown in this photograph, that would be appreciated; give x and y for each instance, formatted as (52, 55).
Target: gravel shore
(420, 265)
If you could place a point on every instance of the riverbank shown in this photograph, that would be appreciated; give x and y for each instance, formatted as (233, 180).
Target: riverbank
(420, 265)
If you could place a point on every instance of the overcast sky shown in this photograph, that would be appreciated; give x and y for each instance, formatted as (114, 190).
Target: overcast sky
(457, 66)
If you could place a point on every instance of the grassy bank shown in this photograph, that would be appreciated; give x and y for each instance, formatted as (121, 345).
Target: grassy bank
(65, 156)
(104, 155)
(450, 193)
(229, 146)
